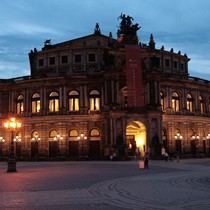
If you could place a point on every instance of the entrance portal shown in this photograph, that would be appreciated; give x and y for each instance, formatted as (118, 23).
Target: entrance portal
(136, 138)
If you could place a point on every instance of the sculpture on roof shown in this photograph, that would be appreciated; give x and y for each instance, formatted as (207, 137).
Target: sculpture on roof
(47, 43)
(127, 28)
(97, 29)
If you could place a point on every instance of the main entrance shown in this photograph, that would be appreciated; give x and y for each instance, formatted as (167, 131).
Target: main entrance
(136, 138)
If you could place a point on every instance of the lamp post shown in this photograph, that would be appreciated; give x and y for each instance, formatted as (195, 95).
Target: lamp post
(12, 125)
(208, 142)
(2, 140)
(178, 138)
(17, 141)
(82, 137)
(36, 140)
(196, 138)
(58, 138)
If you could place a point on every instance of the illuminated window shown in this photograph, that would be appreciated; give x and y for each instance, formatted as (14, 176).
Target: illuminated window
(202, 105)
(73, 101)
(53, 133)
(34, 134)
(73, 133)
(35, 103)
(175, 102)
(162, 100)
(189, 103)
(94, 100)
(94, 132)
(19, 104)
(54, 102)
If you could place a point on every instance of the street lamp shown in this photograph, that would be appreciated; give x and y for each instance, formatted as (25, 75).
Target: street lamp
(196, 138)
(58, 138)
(178, 136)
(2, 140)
(82, 137)
(36, 139)
(17, 141)
(208, 141)
(12, 125)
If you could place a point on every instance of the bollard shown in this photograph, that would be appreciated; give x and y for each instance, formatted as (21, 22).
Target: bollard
(141, 164)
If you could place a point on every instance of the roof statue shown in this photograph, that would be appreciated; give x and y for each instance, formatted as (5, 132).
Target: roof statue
(127, 27)
(97, 29)
(47, 42)
(127, 32)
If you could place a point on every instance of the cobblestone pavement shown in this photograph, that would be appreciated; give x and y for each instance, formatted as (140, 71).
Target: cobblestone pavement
(106, 185)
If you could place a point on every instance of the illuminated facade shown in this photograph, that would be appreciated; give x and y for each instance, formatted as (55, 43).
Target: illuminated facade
(75, 103)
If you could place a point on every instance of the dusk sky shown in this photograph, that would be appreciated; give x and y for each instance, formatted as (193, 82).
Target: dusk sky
(179, 24)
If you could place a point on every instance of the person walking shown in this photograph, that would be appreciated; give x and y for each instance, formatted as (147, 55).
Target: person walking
(146, 161)
(137, 153)
(166, 156)
(177, 156)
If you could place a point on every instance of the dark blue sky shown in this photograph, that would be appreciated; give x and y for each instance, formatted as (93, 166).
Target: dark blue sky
(179, 24)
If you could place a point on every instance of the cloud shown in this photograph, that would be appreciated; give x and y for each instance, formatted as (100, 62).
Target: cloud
(13, 69)
(181, 25)
(21, 29)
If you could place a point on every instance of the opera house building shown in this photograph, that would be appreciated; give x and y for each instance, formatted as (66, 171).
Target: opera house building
(95, 96)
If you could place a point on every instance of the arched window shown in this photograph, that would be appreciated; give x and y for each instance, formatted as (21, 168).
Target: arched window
(34, 134)
(35, 103)
(189, 103)
(202, 105)
(175, 102)
(73, 133)
(162, 100)
(53, 133)
(19, 104)
(73, 101)
(53, 102)
(94, 100)
(18, 136)
(94, 132)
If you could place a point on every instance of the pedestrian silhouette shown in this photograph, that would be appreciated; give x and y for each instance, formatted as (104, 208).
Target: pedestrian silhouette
(146, 160)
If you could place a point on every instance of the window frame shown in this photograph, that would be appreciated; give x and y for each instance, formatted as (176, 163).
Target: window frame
(94, 100)
(175, 102)
(53, 102)
(20, 104)
(73, 101)
(35, 103)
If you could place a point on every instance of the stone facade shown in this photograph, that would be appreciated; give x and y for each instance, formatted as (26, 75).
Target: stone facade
(74, 103)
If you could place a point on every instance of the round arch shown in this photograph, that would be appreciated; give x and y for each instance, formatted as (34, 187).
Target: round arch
(136, 137)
